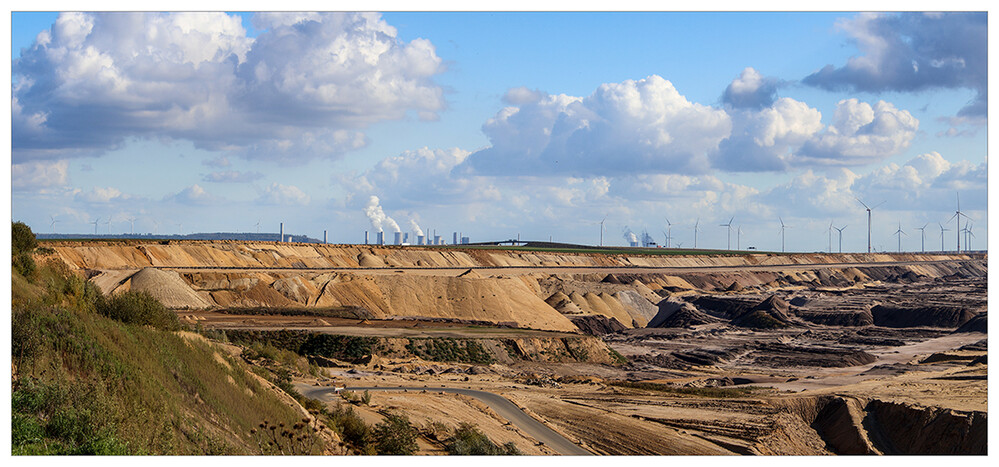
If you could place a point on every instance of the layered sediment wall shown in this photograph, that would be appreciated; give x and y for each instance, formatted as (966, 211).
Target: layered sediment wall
(536, 290)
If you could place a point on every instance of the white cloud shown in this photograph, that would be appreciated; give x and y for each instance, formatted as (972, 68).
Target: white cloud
(860, 134)
(194, 195)
(765, 139)
(280, 194)
(302, 89)
(38, 175)
(643, 125)
(101, 195)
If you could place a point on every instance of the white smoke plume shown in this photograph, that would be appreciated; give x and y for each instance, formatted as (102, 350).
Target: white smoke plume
(379, 220)
(416, 227)
(630, 236)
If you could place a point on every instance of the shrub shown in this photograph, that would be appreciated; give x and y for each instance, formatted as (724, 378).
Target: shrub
(395, 436)
(22, 239)
(469, 441)
(366, 397)
(353, 429)
(138, 308)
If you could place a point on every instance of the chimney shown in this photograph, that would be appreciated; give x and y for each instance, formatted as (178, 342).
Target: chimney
(381, 238)
(281, 235)
(324, 236)
(365, 237)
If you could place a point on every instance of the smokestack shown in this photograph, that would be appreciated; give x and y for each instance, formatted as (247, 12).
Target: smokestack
(398, 238)
(324, 236)
(380, 238)
(281, 236)
(365, 237)
(455, 242)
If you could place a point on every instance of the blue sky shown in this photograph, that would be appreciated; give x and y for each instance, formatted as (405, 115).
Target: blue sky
(495, 124)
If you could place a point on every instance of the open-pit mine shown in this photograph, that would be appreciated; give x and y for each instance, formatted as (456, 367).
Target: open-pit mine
(607, 354)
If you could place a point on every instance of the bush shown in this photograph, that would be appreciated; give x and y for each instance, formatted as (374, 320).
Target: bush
(24, 264)
(138, 308)
(353, 429)
(22, 239)
(395, 436)
(469, 441)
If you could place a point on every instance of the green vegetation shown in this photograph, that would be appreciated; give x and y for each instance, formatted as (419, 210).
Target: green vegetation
(352, 428)
(97, 376)
(605, 250)
(138, 308)
(22, 243)
(616, 356)
(349, 312)
(469, 441)
(395, 436)
(719, 392)
(450, 350)
(307, 343)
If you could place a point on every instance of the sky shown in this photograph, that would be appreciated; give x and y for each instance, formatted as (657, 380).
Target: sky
(499, 124)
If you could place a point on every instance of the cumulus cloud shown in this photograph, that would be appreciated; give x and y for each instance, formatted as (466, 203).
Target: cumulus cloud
(194, 195)
(628, 126)
(767, 138)
(232, 176)
(101, 195)
(280, 194)
(38, 175)
(218, 162)
(750, 90)
(419, 174)
(303, 88)
(860, 134)
(913, 52)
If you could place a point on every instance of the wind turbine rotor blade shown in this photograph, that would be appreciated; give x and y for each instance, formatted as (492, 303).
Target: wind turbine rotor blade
(861, 202)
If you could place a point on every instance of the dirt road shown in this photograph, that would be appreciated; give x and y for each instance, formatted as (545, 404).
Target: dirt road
(498, 403)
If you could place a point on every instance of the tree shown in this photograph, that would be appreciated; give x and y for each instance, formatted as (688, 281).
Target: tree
(395, 436)
(22, 239)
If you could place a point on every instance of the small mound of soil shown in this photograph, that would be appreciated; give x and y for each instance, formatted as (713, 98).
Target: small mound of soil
(980, 323)
(168, 288)
(679, 315)
(771, 313)
(611, 279)
(597, 325)
(368, 260)
(894, 316)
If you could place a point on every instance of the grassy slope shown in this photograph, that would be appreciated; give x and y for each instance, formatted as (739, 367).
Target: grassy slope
(90, 384)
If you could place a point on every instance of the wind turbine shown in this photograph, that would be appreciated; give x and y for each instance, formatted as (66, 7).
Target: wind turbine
(971, 235)
(830, 229)
(695, 232)
(95, 221)
(958, 215)
(840, 229)
(729, 226)
(52, 224)
(738, 238)
(922, 236)
(782, 227)
(131, 225)
(666, 234)
(156, 226)
(180, 227)
(899, 232)
(942, 230)
(868, 221)
(602, 231)
(258, 225)
(669, 232)
(109, 225)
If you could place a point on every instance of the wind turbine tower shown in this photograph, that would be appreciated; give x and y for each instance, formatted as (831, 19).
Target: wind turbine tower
(922, 236)
(95, 221)
(868, 221)
(109, 225)
(899, 232)
(52, 224)
(738, 238)
(782, 227)
(602, 231)
(942, 230)
(669, 232)
(840, 229)
(958, 215)
(829, 230)
(729, 226)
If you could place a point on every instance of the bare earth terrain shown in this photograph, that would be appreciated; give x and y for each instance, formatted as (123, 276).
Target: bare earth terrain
(806, 354)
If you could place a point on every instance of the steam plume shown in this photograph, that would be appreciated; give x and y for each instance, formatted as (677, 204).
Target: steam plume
(379, 220)
(416, 227)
